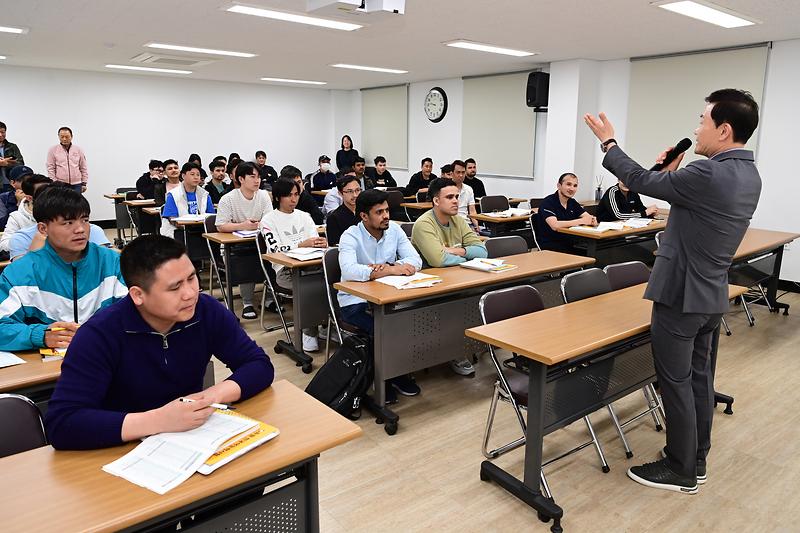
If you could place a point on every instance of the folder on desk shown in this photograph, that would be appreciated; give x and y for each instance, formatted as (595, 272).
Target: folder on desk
(52, 354)
(487, 265)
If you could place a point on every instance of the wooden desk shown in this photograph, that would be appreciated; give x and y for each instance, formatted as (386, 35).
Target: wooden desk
(320, 193)
(500, 220)
(229, 241)
(140, 203)
(115, 196)
(612, 238)
(421, 206)
(152, 211)
(81, 497)
(615, 344)
(421, 328)
(35, 379)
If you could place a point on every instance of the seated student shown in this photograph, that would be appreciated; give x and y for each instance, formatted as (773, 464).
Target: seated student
(10, 200)
(323, 179)
(188, 199)
(343, 216)
(216, 187)
(446, 171)
(333, 198)
(195, 158)
(372, 249)
(466, 197)
(266, 172)
(620, 203)
(444, 238)
(286, 228)
(128, 365)
(561, 210)
(171, 179)
(306, 202)
(359, 169)
(472, 179)
(378, 175)
(242, 209)
(146, 184)
(230, 170)
(62, 284)
(23, 217)
(419, 181)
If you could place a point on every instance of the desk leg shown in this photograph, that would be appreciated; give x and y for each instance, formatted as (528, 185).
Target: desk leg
(295, 350)
(529, 490)
(312, 496)
(377, 404)
(591, 248)
(119, 230)
(228, 286)
(772, 288)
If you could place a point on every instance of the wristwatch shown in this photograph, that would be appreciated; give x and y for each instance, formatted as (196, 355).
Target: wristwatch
(604, 145)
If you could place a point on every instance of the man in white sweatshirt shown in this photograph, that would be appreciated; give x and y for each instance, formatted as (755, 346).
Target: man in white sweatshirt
(23, 217)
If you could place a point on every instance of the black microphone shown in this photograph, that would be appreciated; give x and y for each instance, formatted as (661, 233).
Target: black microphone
(681, 147)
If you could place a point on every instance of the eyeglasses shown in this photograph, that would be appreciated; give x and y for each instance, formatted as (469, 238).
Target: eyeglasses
(352, 191)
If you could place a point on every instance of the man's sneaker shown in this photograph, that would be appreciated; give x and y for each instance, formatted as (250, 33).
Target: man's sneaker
(701, 468)
(272, 307)
(249, 313)
(462, 367)
(325, 333)
(391, 395)
(310, 343)
(658, 476)
(405, 385)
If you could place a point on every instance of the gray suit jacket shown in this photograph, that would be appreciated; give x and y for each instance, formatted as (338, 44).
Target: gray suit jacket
(712, 202)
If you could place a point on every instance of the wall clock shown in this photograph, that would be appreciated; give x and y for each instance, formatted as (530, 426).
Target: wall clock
(436, 104)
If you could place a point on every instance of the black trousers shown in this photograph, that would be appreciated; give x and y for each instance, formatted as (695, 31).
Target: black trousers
(682, 351)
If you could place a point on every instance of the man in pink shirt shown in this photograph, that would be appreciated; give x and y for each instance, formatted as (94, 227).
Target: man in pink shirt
(67, 162)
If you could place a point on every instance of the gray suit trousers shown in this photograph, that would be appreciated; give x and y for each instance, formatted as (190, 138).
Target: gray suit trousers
(682, 351)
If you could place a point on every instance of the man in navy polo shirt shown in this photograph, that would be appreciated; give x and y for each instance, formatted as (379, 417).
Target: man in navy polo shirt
(561, 210)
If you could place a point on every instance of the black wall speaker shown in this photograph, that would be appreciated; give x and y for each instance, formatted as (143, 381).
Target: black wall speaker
(538, 87)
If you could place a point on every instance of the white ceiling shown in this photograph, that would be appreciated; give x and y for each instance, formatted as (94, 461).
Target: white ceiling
(87, 34)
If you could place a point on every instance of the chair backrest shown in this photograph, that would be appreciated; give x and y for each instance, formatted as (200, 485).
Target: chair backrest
(395, 199)
(658, 238)
(535, 202)
(266, 266)
(493, 203)
(508, 303)
(123, 190)
(584, 284)
(210, 224)
(623, 275)
(333, 274)
(131, 195)
(422, 196)
(21, 426)
(533, 218)
(407, 227)
(508, 245)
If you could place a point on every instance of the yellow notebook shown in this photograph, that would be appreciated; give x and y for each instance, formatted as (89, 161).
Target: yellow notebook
(52, 354)
(238, 445)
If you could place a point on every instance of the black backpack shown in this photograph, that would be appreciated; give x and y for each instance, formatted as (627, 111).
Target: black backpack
(345, 378)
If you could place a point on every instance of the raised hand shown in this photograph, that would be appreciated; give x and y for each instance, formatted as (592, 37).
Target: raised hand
(601, 127)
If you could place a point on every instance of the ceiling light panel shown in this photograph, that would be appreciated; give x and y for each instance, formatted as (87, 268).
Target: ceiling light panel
(287, 80)
(480, 47)
(150, 69)
(210, 51)
(293, 17)
(11, 29)
(707, 12)
(371, 69)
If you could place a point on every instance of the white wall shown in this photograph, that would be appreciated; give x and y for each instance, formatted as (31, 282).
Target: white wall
(122, 121)
(346, 120)
(780, 193)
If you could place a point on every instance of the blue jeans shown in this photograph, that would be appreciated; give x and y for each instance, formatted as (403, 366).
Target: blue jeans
(358, 316)
(78, 187)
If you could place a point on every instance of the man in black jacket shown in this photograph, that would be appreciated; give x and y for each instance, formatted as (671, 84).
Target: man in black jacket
(419, 181)
(146, 183)
(620, 203)
(306, 202)
(266, 172)
(472, 179)
(10, 156)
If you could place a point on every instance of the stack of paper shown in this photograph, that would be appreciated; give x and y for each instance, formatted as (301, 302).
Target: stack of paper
(417, 281)
(9, 359)
(306, 254)
(246, 232)
(488, 265)
(140, 202)
(238, 446)
(192, 218)
(600, 228)
(164, 461)
(511, 212)
(52, 354)
(637, 222)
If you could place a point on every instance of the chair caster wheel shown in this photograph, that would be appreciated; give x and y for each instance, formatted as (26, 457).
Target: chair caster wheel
(606, 469)
(390, 428)
(542, 517)
(659, 427)
(379, 420)
(728, 410)
(278, 348)
(628, 454)
(728, 333)
(307, 368)
(556, 527)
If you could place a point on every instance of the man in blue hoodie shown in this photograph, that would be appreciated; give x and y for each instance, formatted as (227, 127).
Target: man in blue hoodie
(46, 294)
(129, 366)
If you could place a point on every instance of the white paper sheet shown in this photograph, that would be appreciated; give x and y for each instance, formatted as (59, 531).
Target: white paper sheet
(417, 281)
(9, 359)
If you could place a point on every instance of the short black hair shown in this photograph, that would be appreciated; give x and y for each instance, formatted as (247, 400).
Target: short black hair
(234, 155)
(3, 126)
(29, 184)
(195, 158)
(564, 175)
(170, 162)
(369, 199)
(60, 201)
(435, 186)
(426, 160)
(261, 153)
(221, 158)
(349, 139)
(244, 169)
(359, 159)
(232, 164)
(144, 255)
(189, 166)
(154, 164)
(67, 128)
(737, 108)
(290, 172)
(282, 187)
(342, 182)
(446, 169)
(380, 159)
(469, 160)
(458, 163)
(215, 164)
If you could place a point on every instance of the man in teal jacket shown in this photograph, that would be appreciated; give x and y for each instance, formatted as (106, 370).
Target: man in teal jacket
(46, 294)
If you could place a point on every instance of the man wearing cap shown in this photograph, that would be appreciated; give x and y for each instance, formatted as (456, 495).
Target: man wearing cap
(9, 200)
(10, 157)
(324, 179)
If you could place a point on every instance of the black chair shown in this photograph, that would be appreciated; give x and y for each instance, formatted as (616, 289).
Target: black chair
(509, 245)
(217, 263)
(397, 211)
(535, 202)
(276, 292)
(512, 384)
(422, 196)
(122, 213)
(593, 282)
(621, 275)
(532, 221)
(21, 427)
(407, 227)
(333, 274)
(493, 203)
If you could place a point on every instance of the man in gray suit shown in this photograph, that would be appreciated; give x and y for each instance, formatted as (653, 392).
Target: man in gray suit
(711, 203)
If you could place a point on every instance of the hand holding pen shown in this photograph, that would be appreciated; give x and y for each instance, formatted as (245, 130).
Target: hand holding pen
(59, 334)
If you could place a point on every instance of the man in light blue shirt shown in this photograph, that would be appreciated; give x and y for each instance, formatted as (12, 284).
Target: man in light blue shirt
(372, 249)
(21, 241)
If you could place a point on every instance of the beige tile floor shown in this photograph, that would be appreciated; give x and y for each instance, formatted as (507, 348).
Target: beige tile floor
(425, 478)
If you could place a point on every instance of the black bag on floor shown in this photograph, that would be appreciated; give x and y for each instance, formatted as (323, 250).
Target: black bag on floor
(345, 378)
